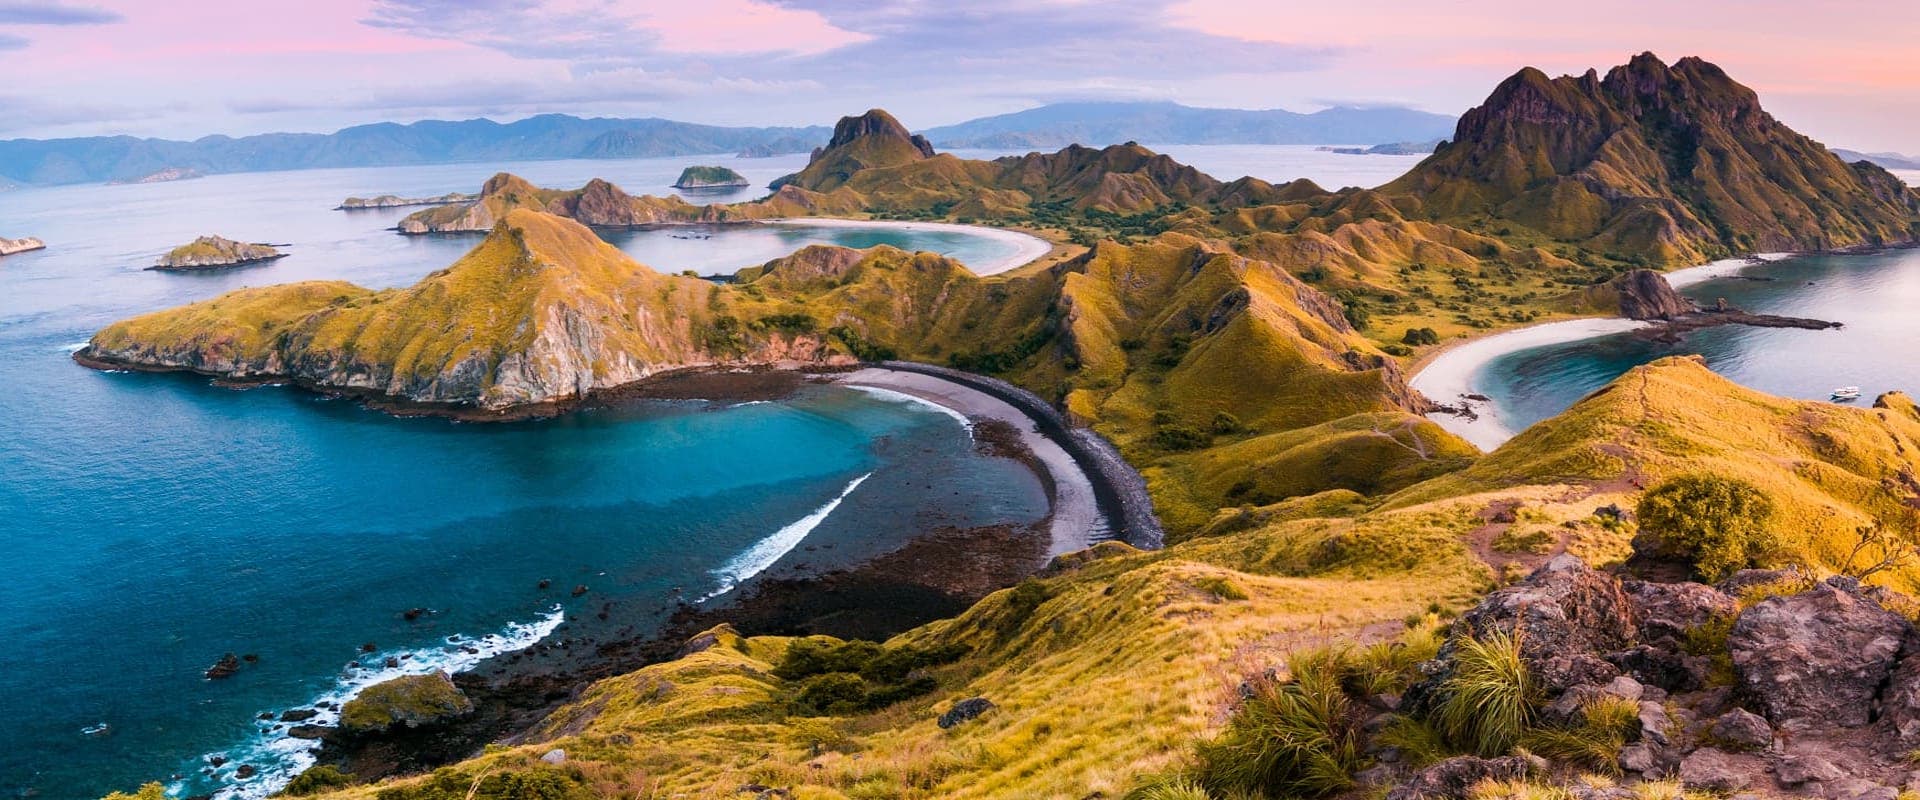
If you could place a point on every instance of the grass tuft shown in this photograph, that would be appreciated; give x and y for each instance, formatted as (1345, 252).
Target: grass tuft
(1489, 701)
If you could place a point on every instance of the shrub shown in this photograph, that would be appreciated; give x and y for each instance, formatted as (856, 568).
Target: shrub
(854, 676)
(1167, 787)
(1292, 739)
(1225, 424)
(1490, 699)
(1719, 525)
(1221, 588)
(538, 783)
(1605, 726)
(150, 791)
(317, 779)
(1176, 438)
(1420, 336)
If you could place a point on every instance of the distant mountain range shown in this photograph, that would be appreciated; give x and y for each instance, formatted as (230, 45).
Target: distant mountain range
(1101, 124)
(1887, 160)
(549, 136)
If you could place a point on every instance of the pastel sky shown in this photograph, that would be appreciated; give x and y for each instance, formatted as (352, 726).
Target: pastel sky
(1845, 71)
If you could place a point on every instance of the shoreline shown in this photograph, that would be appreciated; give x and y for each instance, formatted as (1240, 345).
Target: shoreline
(1028, 248)
(1446, 376)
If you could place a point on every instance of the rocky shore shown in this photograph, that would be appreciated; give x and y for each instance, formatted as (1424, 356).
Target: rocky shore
(13, 246)
(215, 252)
(711, 178)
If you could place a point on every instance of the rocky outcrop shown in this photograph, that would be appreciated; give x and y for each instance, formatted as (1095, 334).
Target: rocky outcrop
(1818, 658)
(12, 246)
(1455, 778)
(215, 252)
(411, 701)
(1645, 294)
(1826, 678)
(396, 201)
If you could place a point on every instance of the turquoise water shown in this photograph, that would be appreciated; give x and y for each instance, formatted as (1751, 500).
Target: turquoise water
(1874, 296)
(151, 523)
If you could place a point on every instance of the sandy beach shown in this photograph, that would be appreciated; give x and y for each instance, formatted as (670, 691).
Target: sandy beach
(1028, 248)
(1449, 376)
(1077, 521)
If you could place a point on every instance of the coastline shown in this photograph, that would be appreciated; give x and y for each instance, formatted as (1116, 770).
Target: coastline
(1028, 247)
(1446, 376)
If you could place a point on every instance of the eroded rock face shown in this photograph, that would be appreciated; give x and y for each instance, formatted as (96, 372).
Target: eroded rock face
(1900, 704)
(1646, 295)
(1816, 658)
(1672, 609)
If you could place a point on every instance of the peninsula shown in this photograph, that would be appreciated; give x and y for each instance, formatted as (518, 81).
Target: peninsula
(167, 175)
(215, 252)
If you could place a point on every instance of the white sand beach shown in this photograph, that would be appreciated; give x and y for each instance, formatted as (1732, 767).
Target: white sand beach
(1449, 377)
(1027, 247)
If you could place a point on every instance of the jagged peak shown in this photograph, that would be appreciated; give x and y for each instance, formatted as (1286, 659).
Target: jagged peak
(876, 123)
(507, 182)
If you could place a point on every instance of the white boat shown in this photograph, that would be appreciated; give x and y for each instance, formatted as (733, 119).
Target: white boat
(1847, 393)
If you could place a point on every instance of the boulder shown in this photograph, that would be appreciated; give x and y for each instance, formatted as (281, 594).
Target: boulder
(1565, 614)
(1711, 770)
(965, 711)
(1795, 769)
(554, 756)
(1672, 609)
(224, 668)
(1743, 729)
(1816, 658)
(1663, 665)
(299, 714)
(1454, 778)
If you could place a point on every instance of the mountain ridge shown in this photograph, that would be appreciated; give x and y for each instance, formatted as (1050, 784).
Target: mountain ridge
(1096, 124)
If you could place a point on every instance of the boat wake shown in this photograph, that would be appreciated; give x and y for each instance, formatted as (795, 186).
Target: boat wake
(765, 552)
(278, 756)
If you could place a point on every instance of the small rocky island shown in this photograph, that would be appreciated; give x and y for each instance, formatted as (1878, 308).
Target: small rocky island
(11, 246)
(167, 175)
(710, 178)
(215, 252)
(396, 201)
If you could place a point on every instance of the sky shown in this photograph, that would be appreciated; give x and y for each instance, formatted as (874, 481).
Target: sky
(1843, 71)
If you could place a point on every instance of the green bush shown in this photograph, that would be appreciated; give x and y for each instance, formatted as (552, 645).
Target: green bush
(317, 779)
(1167, 787)
(850, 677)
(1176, 438)
(1719, 525)
(1420, 336)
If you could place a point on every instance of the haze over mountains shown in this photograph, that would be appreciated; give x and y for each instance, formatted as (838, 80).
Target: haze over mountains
(551, 136)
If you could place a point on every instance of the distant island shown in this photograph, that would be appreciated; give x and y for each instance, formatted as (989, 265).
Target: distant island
(215, 252)
(710, 178)
(779, 147)
(396, 201)
(11, 246)
(167, 175)
(1887, 160)
(1391, 149)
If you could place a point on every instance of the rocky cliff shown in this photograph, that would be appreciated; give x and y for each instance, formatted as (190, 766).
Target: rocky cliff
(214, 252)
(710, 178)
(1675, 164)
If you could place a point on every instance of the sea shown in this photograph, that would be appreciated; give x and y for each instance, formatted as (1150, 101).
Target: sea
(1872, 295)
(153, 523)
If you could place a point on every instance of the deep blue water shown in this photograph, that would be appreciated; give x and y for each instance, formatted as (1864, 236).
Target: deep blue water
(150, 523)
(1876, 297)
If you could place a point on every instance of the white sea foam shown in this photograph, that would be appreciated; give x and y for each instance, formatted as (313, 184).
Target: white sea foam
(765, 552)
(279, 757)
(1450, 377)
(75, 347)
(903, 397)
